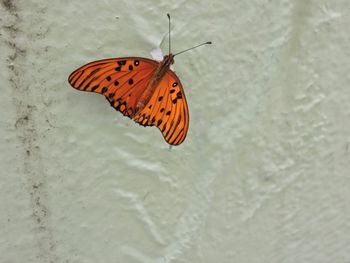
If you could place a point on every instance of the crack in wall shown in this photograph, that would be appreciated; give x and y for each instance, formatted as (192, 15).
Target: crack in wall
(28, 133)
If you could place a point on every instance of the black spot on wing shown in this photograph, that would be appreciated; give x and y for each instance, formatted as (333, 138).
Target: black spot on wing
(153, 120)
(164, 127)
(94, 88)
(179, 95)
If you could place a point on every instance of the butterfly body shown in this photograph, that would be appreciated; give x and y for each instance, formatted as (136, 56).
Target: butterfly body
(158, 75)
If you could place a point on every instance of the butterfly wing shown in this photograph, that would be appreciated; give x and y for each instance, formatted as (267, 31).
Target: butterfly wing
(121, 80)
(167, 109)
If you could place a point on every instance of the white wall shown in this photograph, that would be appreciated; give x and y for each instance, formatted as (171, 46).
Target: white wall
(263, 175)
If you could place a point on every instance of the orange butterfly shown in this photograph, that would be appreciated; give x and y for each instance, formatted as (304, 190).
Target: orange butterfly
(144, 90)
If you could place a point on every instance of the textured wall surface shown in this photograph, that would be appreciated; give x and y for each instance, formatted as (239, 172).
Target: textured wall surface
(263, 175)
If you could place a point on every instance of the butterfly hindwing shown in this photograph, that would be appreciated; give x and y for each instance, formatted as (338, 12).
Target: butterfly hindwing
(121, 80)
(167, 109)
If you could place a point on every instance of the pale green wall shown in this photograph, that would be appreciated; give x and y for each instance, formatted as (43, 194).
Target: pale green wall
(263, 175)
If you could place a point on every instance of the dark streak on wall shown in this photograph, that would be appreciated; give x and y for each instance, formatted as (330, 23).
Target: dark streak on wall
(28, 134)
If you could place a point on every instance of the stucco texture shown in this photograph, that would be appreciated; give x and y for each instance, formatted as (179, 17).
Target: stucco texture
(263, 175)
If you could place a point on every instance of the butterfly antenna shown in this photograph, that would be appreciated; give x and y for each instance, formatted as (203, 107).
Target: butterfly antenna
(206, 43)
(169, 34)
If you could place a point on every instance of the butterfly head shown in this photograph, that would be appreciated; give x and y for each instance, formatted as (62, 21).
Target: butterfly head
(168, 60)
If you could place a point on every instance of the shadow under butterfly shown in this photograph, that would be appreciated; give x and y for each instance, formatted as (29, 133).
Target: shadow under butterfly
(145, 90)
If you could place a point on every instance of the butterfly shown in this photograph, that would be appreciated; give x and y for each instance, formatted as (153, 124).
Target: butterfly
(145, 90)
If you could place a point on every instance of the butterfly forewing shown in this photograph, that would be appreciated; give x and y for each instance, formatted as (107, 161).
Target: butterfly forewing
(121, 80)
(167, 109)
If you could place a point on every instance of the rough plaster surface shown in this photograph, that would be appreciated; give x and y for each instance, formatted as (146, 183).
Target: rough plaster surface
(262, 177)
